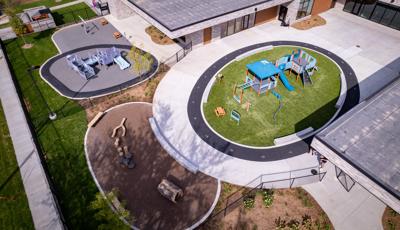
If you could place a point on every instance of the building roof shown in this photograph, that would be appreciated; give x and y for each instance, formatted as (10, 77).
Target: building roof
(263, 69)
(368, 137)
(176, 14)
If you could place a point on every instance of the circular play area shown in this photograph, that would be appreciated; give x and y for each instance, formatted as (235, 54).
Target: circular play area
(94, 70)
(264, 102)
(124, 154)
(258, 99)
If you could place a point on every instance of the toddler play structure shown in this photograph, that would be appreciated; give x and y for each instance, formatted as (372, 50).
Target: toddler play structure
(107, 57)
(301, 63)
(261, 77)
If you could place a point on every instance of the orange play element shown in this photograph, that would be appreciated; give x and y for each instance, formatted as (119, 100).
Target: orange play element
(117, 35)
(220, 112)
(103, 22)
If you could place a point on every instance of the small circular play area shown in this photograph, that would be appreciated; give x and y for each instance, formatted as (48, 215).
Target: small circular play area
(273, 93)
(264, 102)
(124, 155)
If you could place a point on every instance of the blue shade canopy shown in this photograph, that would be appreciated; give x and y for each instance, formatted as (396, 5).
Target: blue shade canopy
(263, 69)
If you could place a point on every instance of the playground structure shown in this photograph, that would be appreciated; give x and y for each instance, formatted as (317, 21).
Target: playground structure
(301, 63)
(107, 57)
(235, 115)
(264, 79)
(81, 67)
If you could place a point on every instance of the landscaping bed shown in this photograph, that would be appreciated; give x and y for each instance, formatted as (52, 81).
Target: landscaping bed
(158, 37)
(15, 212)
(306, 24)
(270, 209)
(309, 106)
(390, 219)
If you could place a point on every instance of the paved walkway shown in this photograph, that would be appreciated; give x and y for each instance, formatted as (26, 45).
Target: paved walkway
(41, 201)
(373, 56)
(346, 210)
(134, 30)
(66, 5)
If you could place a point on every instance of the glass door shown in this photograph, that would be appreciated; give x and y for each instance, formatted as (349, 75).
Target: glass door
(231, 28)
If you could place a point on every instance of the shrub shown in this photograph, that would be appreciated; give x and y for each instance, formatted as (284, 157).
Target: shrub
(268, 197)
(280, 223)
(249, 201)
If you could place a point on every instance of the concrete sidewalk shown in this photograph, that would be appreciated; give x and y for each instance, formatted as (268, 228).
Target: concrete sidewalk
(40, 198)
(357, 209)
(66, 5)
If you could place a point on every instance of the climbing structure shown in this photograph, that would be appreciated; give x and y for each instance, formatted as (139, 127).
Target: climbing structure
(299, 62)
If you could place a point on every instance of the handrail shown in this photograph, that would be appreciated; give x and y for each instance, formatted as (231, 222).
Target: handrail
(260, 186)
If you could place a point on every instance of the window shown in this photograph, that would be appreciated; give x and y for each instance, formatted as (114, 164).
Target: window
(305, 8)
(379, 12)
(396, 21)
(387, 17)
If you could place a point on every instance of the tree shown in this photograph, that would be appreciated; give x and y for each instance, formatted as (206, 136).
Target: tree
(19, 28)
(106, 216)
(135, 55)
(147, 61)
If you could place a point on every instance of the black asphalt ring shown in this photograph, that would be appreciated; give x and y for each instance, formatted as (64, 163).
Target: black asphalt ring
(271, 154)
(67, 92)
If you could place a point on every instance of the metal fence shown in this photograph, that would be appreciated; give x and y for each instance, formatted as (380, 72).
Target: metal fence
(172, 60)
(288, 180)
(34, 131)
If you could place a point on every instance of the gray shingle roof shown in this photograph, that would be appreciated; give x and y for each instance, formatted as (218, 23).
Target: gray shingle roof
(175, 14)
(369, 136)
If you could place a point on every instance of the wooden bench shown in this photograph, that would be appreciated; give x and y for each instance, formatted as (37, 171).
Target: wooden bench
(96, 119)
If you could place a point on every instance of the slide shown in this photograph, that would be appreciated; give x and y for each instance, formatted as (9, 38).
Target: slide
(285, 81)
(121, 62)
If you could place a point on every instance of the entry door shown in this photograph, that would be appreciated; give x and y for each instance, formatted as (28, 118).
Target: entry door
(207, 35)
(282, 13)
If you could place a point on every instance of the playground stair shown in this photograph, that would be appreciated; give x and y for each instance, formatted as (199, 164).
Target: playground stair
(306, 78)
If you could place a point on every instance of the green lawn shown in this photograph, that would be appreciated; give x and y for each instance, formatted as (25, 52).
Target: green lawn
(48, 3)
(61, 140)
(72, 13)
(14, 209)
(310, 106)
(5, 25)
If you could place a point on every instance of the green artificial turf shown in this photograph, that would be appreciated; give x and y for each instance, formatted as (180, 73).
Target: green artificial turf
(306, 106)
(48, 3)
(71, 14)
(61, 140)
(14, 209)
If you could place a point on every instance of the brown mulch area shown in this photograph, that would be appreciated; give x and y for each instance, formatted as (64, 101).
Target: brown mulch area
(390, 219)
(314, 21)
(138, 186)
(158, 37)
(290, 205)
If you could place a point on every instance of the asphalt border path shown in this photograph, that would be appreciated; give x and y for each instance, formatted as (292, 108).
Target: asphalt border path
(272, 154)
(65, 91)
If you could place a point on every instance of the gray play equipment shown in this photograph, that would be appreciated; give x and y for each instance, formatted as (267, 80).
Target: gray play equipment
(105, 57)
(79, 66)
(112, 55)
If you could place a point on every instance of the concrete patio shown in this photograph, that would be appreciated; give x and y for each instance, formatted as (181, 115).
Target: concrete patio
(134, 29)
(375, 62)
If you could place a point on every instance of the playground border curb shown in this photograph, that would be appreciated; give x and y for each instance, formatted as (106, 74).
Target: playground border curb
(338, 105)
(194, 226)
(198, 123)
(61, 89)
